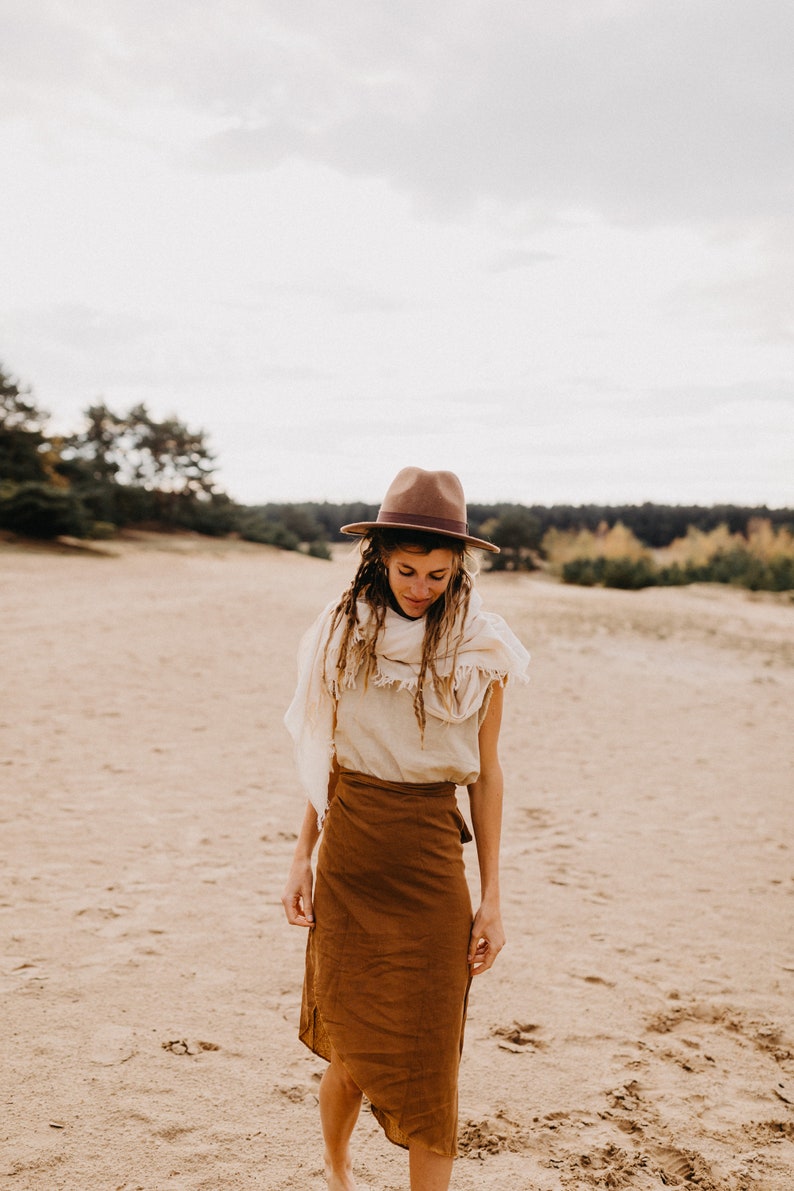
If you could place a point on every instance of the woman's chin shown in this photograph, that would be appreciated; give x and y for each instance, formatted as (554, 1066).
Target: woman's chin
(414, 610)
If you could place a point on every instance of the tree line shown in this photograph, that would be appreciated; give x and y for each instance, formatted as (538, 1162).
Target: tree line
(524, 532)
(129, 468)
(120, 469)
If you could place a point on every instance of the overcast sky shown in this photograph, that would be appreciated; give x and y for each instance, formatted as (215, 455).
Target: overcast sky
(548, 245)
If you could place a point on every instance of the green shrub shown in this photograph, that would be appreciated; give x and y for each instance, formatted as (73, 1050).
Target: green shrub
(122, 504)
(42, 511)
(781, 573)
(582, 571)
(253, 527)
(737, 567)
(215, 517)
(630, 574)
(101, 531)
(673, 576)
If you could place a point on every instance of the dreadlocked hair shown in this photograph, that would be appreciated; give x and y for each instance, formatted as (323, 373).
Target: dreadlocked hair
(443, 619)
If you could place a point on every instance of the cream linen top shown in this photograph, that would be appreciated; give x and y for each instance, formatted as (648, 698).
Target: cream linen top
(377, 733)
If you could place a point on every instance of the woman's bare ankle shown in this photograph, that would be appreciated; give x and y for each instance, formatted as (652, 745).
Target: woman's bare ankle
(339, 1176)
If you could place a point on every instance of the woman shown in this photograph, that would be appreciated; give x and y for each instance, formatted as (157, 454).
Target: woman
(399, 700)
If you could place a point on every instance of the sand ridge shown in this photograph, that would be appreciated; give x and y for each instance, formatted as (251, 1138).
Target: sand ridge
(637, 1031)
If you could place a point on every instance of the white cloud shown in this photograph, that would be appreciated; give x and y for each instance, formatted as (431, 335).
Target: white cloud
(643, 111)
(225, 212)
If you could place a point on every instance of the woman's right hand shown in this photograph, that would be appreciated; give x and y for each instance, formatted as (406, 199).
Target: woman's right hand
(297, 896)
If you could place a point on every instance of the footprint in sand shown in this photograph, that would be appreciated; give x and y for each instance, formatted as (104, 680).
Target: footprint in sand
(519, 1038)
(684, 1165)
(766, 1036)
(181, 1046)
(479, 1139)
(297, 1093)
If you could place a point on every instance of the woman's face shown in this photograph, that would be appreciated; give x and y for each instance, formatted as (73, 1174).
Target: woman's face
(417, 579)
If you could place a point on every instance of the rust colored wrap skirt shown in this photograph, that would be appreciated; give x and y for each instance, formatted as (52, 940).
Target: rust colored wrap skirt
(387, 975)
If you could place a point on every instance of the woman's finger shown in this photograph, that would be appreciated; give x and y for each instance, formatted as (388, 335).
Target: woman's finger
(482, 962)
(298, 910)
(482, 953)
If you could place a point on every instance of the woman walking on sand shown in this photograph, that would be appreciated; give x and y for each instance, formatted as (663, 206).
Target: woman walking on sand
(399, 701)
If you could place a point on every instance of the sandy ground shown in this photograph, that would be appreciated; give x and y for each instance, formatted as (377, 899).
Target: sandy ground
(637, 1031)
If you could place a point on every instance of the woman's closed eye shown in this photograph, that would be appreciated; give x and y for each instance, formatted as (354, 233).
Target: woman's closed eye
(436, 578)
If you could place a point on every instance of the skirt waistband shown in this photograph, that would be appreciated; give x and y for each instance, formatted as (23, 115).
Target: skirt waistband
(426, 789)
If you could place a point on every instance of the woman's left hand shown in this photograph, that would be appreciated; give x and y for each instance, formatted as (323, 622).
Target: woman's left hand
(487, 939)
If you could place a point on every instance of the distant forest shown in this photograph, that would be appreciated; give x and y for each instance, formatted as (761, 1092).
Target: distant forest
(626, 546)
(655, 525)
(129, 469)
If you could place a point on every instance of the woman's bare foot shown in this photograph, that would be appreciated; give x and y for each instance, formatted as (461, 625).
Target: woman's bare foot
(339, 1181)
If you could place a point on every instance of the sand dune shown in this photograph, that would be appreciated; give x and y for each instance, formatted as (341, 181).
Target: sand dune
(637, 1031)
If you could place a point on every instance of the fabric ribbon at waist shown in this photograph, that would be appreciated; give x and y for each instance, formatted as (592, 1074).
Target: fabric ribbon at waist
(430, 789)
(366, 781)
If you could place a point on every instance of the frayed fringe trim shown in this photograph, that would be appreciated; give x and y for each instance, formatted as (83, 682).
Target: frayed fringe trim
(381, 679)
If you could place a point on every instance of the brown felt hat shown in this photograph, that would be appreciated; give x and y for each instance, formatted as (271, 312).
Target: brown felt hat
(432, 501)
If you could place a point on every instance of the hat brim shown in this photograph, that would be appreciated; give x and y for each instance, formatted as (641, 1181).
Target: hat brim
(363, 527)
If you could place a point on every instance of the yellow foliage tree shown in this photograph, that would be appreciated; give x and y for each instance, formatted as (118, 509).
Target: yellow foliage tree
(564, 545)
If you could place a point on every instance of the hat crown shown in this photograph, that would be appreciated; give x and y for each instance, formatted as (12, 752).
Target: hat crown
(429, 499)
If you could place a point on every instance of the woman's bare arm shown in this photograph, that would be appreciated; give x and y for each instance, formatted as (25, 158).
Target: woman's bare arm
(485, 795)
(297, 896)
